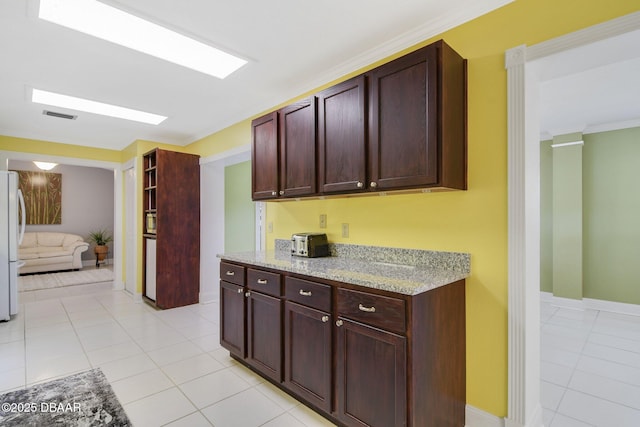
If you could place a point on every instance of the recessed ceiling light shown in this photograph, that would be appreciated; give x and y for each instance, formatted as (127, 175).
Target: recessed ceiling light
(114, 25)
(45, 166)
(65, 101)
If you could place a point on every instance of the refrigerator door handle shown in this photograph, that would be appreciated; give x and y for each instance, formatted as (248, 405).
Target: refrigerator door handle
(23, 223)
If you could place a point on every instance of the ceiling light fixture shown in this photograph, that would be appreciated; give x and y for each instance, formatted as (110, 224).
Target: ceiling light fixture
(65, 101)
(114, 25)
(45, 166)
(567, 144)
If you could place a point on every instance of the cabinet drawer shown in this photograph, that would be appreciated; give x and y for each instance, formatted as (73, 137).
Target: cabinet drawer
(311, 294)
(232, 273)
(262, 281)
(375, 310)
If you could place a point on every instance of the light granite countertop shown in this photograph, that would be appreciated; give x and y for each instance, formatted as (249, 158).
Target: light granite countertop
(404, 271)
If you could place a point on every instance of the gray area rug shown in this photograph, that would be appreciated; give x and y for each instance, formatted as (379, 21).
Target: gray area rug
(33, 282)
(84, 399)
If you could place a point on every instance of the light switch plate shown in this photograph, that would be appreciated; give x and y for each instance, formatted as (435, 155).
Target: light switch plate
(323, 221)
(345, 229)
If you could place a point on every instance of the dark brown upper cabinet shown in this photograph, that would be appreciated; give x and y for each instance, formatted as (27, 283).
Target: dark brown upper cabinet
(417, 121)
(342, 137)
(298, 149)
(400, 126)
(264, 157)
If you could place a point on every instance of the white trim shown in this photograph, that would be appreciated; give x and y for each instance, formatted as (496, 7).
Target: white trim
(137, 297)
(475, 417)
(229, 155)
(523, 191)
(591, 304)
(207, 297)
(612, 306)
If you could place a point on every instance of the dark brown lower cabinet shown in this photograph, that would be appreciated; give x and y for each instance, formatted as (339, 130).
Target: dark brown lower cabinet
(232, 318)
(264, 336)
(308, 349)
(371, 376)
(359, 356)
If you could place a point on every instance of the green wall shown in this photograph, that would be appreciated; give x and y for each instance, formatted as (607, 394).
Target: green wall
(239, 210)
(610, 217)
(567, 219)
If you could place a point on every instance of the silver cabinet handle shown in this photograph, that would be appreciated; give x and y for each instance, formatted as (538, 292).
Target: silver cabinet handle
(262, 281)
(282, 192)
(373, 184)
(248, 294)
(325, 319)
(274, 193)
(366, 309)
(230, 273)
(359, 184)
(339, 323)
(305, 293)
(240, 290)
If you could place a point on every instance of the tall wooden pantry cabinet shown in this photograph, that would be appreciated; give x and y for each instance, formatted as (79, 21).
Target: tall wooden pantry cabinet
(171, 232)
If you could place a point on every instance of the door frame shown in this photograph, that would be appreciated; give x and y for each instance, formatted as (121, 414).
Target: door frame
(212, 217)
(524, 213)
(130, 209)
(118, 284)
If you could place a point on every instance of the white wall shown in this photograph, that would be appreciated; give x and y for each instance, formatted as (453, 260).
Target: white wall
(87, 200)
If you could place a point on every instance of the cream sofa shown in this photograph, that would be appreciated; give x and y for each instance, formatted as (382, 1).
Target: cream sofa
(48, 251)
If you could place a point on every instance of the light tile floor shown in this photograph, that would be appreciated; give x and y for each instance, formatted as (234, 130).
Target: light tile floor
(590, 368)
(166, 367)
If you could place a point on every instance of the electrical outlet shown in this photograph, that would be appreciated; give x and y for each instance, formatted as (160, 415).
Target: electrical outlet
(345, 229)
(270, 227)
(323, 221)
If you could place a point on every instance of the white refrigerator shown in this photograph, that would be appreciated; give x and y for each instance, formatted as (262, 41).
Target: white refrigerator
(11, 232)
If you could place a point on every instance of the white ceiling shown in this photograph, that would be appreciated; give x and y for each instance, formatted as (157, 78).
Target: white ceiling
(593, 88)
(293, 46)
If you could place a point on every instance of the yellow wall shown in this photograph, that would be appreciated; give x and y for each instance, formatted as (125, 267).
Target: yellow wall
(474, 221)
(23, 145)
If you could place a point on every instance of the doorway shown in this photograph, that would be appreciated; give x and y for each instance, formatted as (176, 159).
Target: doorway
(523, 74)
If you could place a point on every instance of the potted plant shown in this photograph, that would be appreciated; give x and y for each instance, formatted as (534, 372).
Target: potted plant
(100, 238)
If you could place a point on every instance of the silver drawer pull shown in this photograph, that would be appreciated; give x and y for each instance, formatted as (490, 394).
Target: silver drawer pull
(305, 293)
(325, 319)
(339, 323)
(240, 290)
(247, 294)
(230, 273)
(262, 281)
(366, 309)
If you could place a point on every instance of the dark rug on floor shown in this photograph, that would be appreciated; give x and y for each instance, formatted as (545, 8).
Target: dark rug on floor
(84, 399)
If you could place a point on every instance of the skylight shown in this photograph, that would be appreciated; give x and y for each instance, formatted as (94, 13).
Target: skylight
(73, 103)
(114, 25)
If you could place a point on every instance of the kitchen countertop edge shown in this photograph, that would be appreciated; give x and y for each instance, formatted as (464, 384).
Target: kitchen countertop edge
(404, 279)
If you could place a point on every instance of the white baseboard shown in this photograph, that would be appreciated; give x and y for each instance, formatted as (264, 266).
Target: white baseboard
(207, 297)
(591, 304)
(475, 417)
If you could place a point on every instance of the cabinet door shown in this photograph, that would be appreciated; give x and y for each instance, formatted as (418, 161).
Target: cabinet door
(264, 157)
(298, 149)
(232, 315)
(307, 354)
(342, 137)
(370, 376)
(403, 128)
(264, 334)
